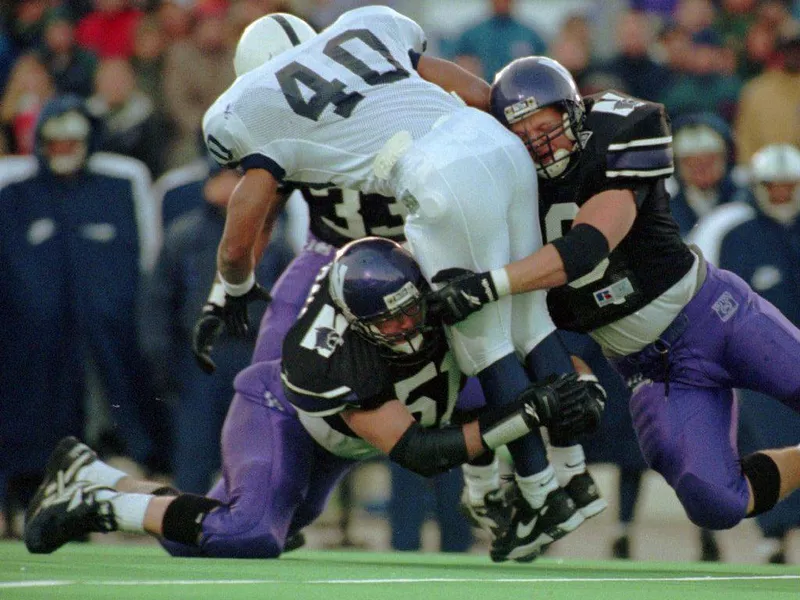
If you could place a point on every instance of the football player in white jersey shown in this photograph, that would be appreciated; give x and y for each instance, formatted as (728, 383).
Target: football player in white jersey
(358, 107)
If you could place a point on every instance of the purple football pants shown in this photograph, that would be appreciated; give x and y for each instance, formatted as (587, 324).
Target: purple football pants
(684, 411)
(275, 478)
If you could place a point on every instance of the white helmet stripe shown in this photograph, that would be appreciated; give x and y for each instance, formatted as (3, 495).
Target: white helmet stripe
(290, 33)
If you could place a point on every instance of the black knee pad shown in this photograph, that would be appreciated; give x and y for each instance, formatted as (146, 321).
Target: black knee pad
(184, 516)
(765, 481)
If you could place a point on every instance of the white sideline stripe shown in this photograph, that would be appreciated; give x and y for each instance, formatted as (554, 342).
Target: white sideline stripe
(702, 579)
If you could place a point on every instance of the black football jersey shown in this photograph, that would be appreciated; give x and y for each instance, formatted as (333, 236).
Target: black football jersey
(628, 146)
(338, 216)
(328, 368)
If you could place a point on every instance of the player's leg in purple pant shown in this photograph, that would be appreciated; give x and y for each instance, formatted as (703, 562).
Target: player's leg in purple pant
(726, 337)
(275, 480)
(288, 296)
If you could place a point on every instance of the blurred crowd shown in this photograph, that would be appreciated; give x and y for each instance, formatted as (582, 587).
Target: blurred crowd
(143, 72)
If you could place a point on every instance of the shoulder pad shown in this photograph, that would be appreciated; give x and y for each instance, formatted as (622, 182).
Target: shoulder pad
(637, 134)
(327, 364)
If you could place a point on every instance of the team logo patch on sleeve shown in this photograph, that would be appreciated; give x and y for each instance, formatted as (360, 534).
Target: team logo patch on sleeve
(325, 333)
(725, 306)
(327, 339)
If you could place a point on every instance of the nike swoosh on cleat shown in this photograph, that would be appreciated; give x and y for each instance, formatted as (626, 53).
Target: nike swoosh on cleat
(524, 529)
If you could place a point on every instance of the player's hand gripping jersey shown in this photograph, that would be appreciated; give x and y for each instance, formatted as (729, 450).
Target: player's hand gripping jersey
(328, 368)
(332, 104)
(628, 146)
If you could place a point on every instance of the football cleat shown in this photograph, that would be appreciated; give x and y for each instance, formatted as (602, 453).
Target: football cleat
(494, 515)
(532, 530)
(68, 457)
(293, 542)
(621, 547)
(68, 514)
(586, 495)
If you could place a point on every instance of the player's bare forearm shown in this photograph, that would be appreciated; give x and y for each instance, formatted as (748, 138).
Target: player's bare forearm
(251, 211)
(446, 74)
(541, 270)
(385, 425)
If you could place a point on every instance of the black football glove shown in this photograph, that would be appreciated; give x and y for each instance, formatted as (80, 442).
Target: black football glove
(464, 293)
(234, 313)
(580, 410)
(206, 330)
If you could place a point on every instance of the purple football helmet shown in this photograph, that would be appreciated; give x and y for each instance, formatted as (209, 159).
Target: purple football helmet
(529, 84)
(375, 282)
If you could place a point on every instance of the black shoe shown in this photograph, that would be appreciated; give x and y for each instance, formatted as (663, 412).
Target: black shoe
(533, 529)
(777, 558)
(494, 515)
(298, 540)
(709, 549)
(586, 495)
(69, 456)
(621, 547)
(68, 514)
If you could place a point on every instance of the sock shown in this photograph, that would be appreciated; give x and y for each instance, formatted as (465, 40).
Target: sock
(100, 473)
(567, 461)
(480, 480)
(536, 487)
(129, 509)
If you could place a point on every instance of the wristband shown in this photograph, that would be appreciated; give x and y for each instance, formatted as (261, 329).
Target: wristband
(501, 282)
(238, 289)
(499, 425)
(217, 294)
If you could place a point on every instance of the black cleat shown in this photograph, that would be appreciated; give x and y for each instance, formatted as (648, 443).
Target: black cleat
(584, 492)
(709, 548)
(69, 456)
(293, 542)
(621, 547)
(69, 513)
(494, 515)
(533, 529)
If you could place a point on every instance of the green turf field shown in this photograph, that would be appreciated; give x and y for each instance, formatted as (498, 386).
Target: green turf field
(118, 572)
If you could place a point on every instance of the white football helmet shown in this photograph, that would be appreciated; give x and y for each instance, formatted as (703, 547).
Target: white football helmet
(267, 37)
(777, 164)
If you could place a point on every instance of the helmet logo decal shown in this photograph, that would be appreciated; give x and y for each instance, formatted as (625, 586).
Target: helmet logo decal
(518, 110)
(396, 299)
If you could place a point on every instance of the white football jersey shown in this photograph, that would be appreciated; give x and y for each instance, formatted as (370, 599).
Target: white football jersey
(319, 113)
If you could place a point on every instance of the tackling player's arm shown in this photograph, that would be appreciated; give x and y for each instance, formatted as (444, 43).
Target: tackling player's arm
(600, 225)
(559, 402)
(451, 77)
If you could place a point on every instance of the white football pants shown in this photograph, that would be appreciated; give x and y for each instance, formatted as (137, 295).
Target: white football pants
(472, 194)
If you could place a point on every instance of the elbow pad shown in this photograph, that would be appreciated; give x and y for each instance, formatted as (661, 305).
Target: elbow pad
(429, 452)
(581, 250)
